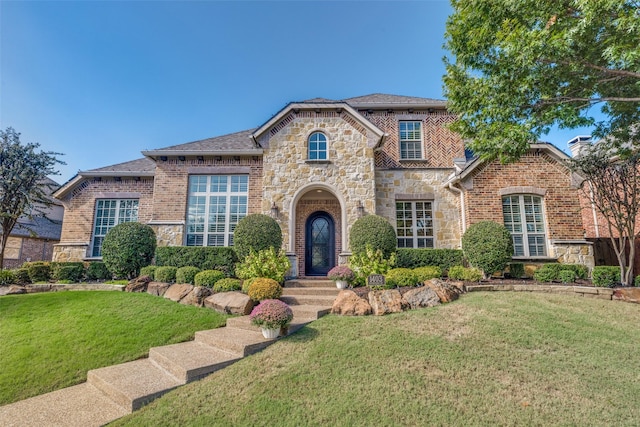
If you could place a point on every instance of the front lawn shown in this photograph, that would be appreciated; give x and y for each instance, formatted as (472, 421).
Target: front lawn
(502, 358)
(50, 340)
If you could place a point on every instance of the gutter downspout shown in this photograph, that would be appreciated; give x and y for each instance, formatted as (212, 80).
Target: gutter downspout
(462, 205)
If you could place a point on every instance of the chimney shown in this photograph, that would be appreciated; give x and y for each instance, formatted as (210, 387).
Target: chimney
(578, 143)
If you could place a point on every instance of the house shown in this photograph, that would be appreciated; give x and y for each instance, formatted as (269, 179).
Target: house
(317, 166)
(33, 239)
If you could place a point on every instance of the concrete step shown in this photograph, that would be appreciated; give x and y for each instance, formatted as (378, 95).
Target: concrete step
(245, 324)
(311, 291)
(133, 384)
(309, 300)
(313, 312)
(191, 360)
(310, 283)
(239, 341)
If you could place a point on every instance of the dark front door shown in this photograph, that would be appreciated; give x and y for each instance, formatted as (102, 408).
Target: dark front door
(320, 244)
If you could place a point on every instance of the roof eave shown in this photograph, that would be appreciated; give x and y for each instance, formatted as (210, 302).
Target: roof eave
(157, 153)
(399, 106)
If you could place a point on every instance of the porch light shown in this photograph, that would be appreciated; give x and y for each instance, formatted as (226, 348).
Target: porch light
(274, 210)
(360, 209)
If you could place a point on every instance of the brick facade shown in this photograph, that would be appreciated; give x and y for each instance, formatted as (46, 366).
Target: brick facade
(26, 249)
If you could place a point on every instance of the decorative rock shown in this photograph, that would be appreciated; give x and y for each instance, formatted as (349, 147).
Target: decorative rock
(138, 284)
(460, 285)
(348, 303)
(196, 296)
(420, 297)
(178, 291)
(627, 295)
(385, 301)
(12, 290)
(157, 288)
(444, 290)
(230, 303)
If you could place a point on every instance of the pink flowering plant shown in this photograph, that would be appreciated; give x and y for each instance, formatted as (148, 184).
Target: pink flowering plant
(271, 314)
(341, 272)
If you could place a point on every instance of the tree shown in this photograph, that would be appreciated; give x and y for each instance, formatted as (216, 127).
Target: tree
(488, 246)
(524, 66)
(24, 187)
(612, 186)
(128, 247)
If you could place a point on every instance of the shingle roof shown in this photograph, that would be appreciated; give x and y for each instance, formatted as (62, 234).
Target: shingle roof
(42, 227)
(233, 141)
(319, 101)
(389, 100)
(139, 165)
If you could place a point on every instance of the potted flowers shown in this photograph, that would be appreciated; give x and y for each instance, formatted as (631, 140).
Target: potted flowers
(342, 275)
(271, 315)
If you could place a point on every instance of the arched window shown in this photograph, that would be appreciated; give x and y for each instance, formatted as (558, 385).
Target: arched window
(317, 146)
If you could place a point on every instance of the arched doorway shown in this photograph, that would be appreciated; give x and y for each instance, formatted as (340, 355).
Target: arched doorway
(319, 244)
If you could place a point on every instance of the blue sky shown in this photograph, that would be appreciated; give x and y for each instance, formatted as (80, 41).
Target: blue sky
(102, 80)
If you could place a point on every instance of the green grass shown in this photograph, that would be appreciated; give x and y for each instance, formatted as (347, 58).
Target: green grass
(488, 359)
(50, 340)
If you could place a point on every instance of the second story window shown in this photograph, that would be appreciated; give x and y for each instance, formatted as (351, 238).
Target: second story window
(317, 146)
(410, 140)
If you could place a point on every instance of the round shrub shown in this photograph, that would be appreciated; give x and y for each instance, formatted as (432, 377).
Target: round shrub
(567, 276)
(165, 274)
(263, 288)
(98, 271)
(456, 272)
(127, 248)
(208, 278)
(267, 263)
(7, 277)
(605, 275)
(227, 285)
(547, 273)
(472, 275)
(487, 245)
(257, 232)
(22, 276)
(516, 270)
(427, 273)
(39, 272)
(400, 277)
(187, 275)
(69, 272)
(246, 284)
(375, 231)
(149, 270)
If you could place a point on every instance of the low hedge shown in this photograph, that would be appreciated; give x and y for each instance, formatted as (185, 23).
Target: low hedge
(7, 277)
(69, 271)
(208, 278)
(427, 273)
(606, 275)
(186, 274)
(458, 272)
(413, 258)
(149, 270)
(98, 271)
(166, 273)
(551, 272)
(227, 284)
(203, 257)
(400, 277)
(38, 271)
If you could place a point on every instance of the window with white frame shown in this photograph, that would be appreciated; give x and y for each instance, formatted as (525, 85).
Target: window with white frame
(216, 204)
(414, 224)
(524, 218)
(410, 140)
(109, 213)
(317, 146)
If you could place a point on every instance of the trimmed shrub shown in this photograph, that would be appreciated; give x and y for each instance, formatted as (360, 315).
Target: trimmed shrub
(488, 246)
(566, 276)
(127, 248)
(456, 272)
(266, 263)
(149, 270)
(606, 275)
(204, 257)
(414, 258)
(516, 270)
(581, 271)
(427, 273)
(374, 231)
(263, 288)
(72, 272)
(165, 274)
(227, 284)
(256, 232)
(7, 277)
(636, 282)
(400, 277)
(208, 278)
(247, 283)
(98, 271)
(459, 272)
(547, 273)
(22, 276)
(186, 274)
(369, 262)
(38, 271)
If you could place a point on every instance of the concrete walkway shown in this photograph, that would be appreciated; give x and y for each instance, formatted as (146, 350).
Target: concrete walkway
(115, 391)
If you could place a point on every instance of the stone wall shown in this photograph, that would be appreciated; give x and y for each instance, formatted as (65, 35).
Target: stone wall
(579, 252)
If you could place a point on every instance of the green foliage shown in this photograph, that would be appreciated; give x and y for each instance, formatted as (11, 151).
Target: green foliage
(522, 67)
(637, 281)
(38, 271)
(186, 274)
(487, 245)
(73, 272)
(427, 273)
(264, 288)
(605, 275)
(256, 232)
(98, 271)
(208, 278)
(370, 262)
(374, 231)
(7, 277)
(227, 284)
(456, 272)
(203, 257)
(246, 284)
(516, 270)
(443, 258)
(400, 277)
(567, 276)
(22, 276)
(551, 272)
(127, 247)
(459, 272)
(581, 271)
(265, 263)
(166, 274)
(149, 270)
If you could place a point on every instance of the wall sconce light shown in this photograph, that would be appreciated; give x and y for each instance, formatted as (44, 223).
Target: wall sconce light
(360, 209)
(274, 211)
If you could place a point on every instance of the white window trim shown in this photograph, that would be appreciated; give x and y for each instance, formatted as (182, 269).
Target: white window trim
(413, 141)
(116, 222)
(525, 233)
(326, 150)
(414, 226)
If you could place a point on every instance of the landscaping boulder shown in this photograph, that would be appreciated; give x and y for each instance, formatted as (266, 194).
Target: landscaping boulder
(12, 290)
(139, 284)
(157, 288)
(627, 295)
(421, 297)
(230, 302)
(196, 296)
(445, 291)
(385, 301)
(178, 291)
(348, 303)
